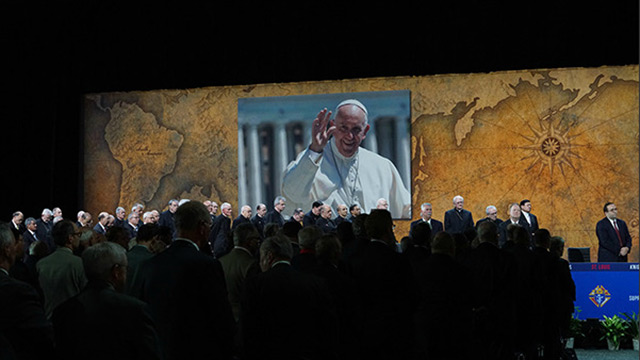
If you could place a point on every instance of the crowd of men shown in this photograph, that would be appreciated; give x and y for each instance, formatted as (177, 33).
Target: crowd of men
(189, 283)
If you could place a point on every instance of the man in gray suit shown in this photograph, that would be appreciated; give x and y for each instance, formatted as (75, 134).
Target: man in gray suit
(61, 274)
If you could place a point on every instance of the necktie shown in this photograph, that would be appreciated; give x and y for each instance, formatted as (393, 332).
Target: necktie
(615, 227)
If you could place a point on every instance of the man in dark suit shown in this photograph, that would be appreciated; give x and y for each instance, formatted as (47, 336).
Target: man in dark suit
(185, 290)
(90, 325)
(457, 220)
(492, 215)
(30, 235)
(241, 263)
(312, 216)
(140, 252)
(305, 260)
(343, 212)
(25, 332)
(17, 221)
(532, 220)
(132, 224)
(167, 216)
(286, 314)
(275, 216)
(297, 216)
(425, 216)
(516, 219)
(219, 238)
(120, 217)
(386, 284)
(244, 217)
(101, 226)
(324, 222)
(44, 227)
(258, 219)
(614, 240)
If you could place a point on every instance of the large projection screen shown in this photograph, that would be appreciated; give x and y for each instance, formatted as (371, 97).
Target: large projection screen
(566, 139)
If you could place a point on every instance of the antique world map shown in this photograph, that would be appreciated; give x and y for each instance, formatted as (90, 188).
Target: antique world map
(567, 139)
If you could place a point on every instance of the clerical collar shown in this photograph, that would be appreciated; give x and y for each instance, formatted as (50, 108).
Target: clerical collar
(281, 262)
(189, 241)
(4, 271)
(338, 155)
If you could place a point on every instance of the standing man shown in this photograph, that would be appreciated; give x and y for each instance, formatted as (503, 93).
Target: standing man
(45, 224)
(457, 220)
(324, 222)
(212, 206)
(492, 215)
(313, 215)
(354, 210)
(186, 292)
(297, 216)
(532, 220)
(120, 217)
(167, 216)
(30, 236)
(61, 274)
(16, 221)
(258, 219)
(132, 224)
(101, 226)
(275, 215)
(336, 170)
(614, 240)
(515, 218)
(244, 217)
(426, 211)
(219, 238)
(342, 211)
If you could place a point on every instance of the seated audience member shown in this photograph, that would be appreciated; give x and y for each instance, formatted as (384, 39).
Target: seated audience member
(286, 314)
(101, 322)
(25, 332)
(305, 261)
(241, 263)
(186, 292)
(61, 274)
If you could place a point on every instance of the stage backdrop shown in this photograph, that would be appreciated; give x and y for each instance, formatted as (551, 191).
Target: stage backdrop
(567, 139)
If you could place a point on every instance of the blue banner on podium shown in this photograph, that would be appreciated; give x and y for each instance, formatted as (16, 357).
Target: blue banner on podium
(605, 288)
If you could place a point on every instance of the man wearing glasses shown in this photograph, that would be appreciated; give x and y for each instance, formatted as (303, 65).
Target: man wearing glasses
(336, 170)
(492, 215)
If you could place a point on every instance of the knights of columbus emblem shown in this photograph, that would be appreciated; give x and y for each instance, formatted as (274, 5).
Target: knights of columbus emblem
(599, 296)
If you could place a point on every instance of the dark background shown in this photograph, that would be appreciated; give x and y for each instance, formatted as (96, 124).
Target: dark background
(55, 53)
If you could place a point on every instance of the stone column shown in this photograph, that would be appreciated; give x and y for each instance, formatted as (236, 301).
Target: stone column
(371, 142)
(280, 157)
(403, 150)
(242, 180)
(253, 153)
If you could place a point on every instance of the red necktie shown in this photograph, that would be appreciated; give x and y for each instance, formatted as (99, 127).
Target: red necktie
(615, 227)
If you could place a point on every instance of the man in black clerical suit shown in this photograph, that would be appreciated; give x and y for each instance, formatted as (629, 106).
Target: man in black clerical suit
(275, 216)
(324, 222)
(312, 216)
(343, 212)
(614, 240)
(426, 211)
(515, 218)
(286, 314)
(244, 217)
(258, 219)
(387, 286)
(25, 332)
(532, 220)
(185, 289)
(44, 227)
(457, 220)
(167, 216)
(219, 238)
(101, 322)
(492, 215)
(120, 217)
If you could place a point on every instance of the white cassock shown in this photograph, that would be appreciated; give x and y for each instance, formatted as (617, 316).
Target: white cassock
(334, 179)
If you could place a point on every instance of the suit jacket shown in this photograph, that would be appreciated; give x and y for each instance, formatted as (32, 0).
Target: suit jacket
(61, 276)
(608, 243)
(239, 220)
(309, 219)
(287, 314)
(436, 226)
(43, 232)
(135, 257)
(258, 222)
(238, 265)
(502, 231)
(385, 277)
(457, 221)
(186, 290)
(133, 230)
(219, 236)
(534, 226)
(167, 219)
(274, 217)
(28, 239)
(99, 229)
(326, 225)
(25, 332)
(100, 323)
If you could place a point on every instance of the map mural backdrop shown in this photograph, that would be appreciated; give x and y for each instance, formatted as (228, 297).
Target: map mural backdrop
(566, 139)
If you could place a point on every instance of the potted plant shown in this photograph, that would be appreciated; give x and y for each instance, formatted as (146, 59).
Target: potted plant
(632, 328)
(615, 328)
(575, 329)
